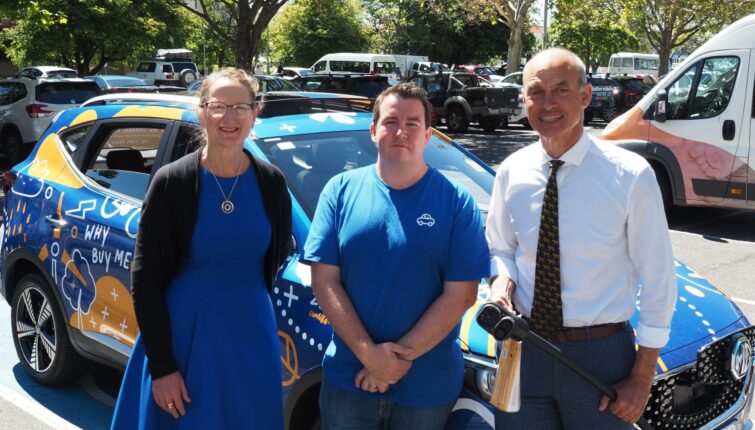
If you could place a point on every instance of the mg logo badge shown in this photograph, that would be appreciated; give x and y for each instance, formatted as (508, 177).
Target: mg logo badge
(741, 358)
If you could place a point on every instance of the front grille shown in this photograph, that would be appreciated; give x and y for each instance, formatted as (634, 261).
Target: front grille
(694, 397)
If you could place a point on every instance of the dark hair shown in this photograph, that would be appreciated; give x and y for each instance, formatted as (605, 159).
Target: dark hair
(405, 90)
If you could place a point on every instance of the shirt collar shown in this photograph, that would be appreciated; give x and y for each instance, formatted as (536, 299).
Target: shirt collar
(574, 155)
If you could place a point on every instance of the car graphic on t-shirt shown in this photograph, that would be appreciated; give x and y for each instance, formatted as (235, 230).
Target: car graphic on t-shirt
(426, 219)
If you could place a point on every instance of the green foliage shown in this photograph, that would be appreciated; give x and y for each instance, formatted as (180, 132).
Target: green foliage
(210, 51)
(86, 34)
(593, 33)
(411, 27)
(308, 29)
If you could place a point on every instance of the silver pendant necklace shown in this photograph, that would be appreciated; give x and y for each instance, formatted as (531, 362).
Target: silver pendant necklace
(227, 205)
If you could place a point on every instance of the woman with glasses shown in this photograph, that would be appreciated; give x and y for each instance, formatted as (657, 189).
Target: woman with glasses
(214, 229)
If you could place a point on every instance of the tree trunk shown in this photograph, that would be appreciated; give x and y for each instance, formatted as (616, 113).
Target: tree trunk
(664, 52)
(515, 49)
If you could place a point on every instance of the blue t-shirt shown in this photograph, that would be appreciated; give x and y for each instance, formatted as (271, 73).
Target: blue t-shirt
(395, 249)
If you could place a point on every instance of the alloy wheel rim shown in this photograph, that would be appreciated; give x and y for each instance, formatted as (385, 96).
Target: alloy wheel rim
(35, 329)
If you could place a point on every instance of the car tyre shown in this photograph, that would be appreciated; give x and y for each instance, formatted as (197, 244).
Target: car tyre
(40, 335)
(12, 145)
(186, 77)
(609, 113)
(456, 120)
(490, 123)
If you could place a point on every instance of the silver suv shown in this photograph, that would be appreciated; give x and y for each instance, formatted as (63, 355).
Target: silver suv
(27, 107)
(168, 67)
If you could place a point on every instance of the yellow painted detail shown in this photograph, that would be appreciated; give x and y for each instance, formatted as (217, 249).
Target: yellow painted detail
(51, 165)
(150, 112)
(56, 233)
(289, 358)
(23, 209)
(18, 206)
(662, 364)
(466, 323)
(10, 217)
(28, 218)
(86, 116)
(111, 313)
(65, 258)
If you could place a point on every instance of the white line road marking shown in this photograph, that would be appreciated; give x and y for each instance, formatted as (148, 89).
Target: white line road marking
(745, 301)
(36, 410)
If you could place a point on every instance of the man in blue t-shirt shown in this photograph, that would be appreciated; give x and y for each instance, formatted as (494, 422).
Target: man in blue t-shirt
(397, 252)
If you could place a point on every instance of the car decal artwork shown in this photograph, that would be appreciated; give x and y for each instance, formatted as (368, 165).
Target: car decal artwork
(704, 167)
(703, 312)
(51, 165)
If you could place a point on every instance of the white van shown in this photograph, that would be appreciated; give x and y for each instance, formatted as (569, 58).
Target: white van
(381, 64)
(632, 63)
(696, 127)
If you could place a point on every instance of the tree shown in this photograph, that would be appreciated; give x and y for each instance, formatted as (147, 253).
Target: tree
(670, 24)
(592, 33)
(87, 34)
(447, 36)
(238, 23)
(512, 13)
(308, 29)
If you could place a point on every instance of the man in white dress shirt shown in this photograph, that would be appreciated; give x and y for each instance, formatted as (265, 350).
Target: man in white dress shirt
(603, 229)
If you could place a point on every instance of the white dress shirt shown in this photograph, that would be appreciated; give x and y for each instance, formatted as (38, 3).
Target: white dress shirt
(612, 232)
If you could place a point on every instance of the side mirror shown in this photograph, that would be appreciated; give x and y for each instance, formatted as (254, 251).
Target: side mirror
(660, 102)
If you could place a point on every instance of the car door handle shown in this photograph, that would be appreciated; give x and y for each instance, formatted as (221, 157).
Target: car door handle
(729, 130)
(54, 220)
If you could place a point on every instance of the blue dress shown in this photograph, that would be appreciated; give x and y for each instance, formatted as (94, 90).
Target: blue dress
(223, 325)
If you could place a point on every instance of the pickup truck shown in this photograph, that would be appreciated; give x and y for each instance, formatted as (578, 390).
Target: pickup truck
(461, 98)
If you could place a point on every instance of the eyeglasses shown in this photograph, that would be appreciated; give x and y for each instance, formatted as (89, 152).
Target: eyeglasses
(218, 110)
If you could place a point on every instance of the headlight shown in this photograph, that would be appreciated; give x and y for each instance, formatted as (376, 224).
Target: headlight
(485, 382)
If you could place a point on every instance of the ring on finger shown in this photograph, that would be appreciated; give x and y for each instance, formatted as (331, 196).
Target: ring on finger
(170, 405)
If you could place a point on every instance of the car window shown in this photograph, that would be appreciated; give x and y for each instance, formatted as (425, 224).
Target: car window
(309, 161)
(460, 81)
(319, 66)
(626, 62)
(146, 67)
(11, 92)
(350, 66)
(275, 84)
(167, 68)
(62, 74)
(178, 67)
(63, 93)
(125, 158)
(709, 96)
(72, 139)
(385, 67)
(513, 79)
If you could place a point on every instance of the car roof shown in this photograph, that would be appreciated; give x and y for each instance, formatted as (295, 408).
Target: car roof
(49, 68)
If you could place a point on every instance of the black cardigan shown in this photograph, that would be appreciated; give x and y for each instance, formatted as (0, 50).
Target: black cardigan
(169, 213)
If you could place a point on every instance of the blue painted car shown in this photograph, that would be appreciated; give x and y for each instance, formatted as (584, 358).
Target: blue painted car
(71, 214)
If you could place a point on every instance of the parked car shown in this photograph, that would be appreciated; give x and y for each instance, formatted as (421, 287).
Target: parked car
(68, 240)
(460, 98)
(173, 67)
(484, 71)
(357, 84)
(513, 78)
(267, 83)
(27, 107)
(46, 72)
(426, 67)
(296, 72)
(603, 102)
(632, 88)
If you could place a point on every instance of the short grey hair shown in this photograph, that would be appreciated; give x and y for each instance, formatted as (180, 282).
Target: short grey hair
(557, 50)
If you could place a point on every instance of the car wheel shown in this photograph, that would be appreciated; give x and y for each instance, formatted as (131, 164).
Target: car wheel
(186, 77)
(12, 144)
(40, 336)
(609, 113)
(490, 123)
(456, 120)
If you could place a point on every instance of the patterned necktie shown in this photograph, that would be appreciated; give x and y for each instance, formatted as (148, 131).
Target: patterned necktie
(547, 317)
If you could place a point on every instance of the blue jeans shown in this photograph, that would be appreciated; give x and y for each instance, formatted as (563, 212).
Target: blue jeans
(554, 397)
(345, 410)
